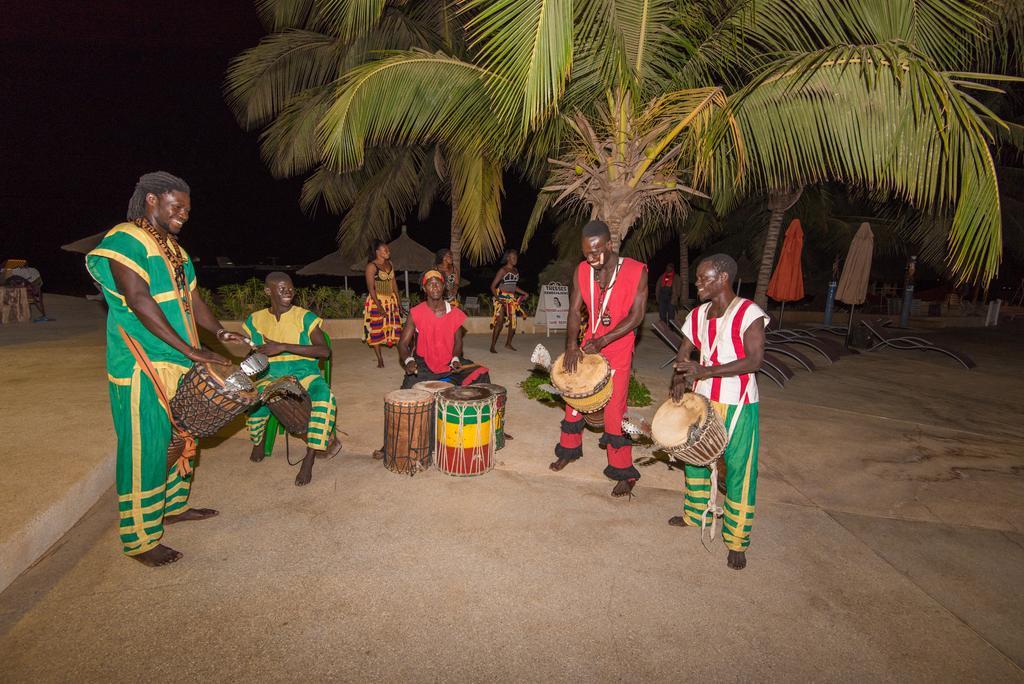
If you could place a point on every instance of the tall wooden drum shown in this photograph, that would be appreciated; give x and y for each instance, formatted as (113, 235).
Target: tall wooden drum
(407, 419)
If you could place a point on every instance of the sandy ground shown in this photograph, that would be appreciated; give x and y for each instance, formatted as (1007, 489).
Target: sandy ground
(888, 543)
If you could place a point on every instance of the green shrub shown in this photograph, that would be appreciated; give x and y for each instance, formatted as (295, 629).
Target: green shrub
(638, 394)
(238, 300)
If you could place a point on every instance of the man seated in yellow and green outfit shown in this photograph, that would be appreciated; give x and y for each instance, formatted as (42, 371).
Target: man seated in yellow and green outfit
(293, 340)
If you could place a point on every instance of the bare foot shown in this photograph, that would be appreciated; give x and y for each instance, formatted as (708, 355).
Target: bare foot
(678, 521)
(508, 345)
(306, 469)
(257, 454)
(493, 350)
(333, 449)
(379, 454)
(560, 463)
(157, 556)
(380, 363)
(737, 560)
(190, 514)
(623, 488)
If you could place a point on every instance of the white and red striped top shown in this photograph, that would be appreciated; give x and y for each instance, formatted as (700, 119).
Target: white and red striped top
(717, 349)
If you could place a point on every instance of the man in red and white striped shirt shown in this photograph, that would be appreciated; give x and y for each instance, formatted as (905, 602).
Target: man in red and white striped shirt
(728, 331)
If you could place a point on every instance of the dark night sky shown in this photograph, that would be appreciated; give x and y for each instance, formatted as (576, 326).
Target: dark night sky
(97, 93)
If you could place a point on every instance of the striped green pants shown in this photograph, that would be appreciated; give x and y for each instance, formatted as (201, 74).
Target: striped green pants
(147, 490)
(321, 419)
(740, 479)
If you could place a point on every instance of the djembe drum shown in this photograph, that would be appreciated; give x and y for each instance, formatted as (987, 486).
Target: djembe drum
(209, 397)
(408, 415)
(432, 386)
(692, 431)
(588, 389)
(290, 403)
(501, 395)
(464, 445)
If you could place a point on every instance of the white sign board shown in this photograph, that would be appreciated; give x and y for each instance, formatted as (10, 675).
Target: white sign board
(553, 307)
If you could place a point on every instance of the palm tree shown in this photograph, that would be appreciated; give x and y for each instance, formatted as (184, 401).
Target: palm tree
(630, 108)
(284, 85)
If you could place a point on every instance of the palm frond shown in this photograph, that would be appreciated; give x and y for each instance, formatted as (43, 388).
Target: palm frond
(385, 198)
(529, 43)
(349, 19)
(278, 15)
(261, 80)
(398, 101)
(882, 117)
(476, 192)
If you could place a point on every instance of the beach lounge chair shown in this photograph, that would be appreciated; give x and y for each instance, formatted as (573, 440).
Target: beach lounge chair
(772, 367)
(899, 342)
(776, 347)
(827, 348)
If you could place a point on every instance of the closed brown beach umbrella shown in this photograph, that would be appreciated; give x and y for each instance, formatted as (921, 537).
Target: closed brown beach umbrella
(787, 282)
(853, 283)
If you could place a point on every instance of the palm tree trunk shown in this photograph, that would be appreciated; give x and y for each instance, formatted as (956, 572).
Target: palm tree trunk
(779, 204)
(456, 247)
(684, 267)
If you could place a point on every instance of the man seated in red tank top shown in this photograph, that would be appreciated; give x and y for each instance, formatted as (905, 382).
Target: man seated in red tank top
(431, 342)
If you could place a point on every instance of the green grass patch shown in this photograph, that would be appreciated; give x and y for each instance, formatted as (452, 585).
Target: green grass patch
(639, 395)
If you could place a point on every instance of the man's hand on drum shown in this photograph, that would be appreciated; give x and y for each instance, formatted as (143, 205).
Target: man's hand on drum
(455, 364)
(270, 348)
(686, 372)
(207, 356)
(228, 336)
(594, 345)
(411, 368)
(571, 358)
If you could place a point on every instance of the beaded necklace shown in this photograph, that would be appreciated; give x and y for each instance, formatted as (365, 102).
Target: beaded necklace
(172, 252)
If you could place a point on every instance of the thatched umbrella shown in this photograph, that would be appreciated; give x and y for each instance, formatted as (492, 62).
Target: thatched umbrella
(853, 283)
(407, 255)
(333, 264)
(86, 244)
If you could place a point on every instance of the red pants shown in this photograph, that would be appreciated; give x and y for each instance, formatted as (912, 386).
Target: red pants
(619, 446)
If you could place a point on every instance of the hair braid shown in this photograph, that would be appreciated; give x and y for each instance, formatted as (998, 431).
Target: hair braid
(158, 183)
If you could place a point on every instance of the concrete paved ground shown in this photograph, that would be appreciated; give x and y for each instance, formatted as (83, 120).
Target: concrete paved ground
(888, 545)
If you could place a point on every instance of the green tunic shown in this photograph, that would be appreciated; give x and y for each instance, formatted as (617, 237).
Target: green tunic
(147, 489)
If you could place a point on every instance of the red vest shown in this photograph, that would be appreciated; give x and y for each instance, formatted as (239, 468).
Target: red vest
(435, 335)
(619, 303)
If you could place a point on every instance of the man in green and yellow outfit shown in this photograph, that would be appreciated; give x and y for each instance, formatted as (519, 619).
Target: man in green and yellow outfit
(150, 287)
(293, 340)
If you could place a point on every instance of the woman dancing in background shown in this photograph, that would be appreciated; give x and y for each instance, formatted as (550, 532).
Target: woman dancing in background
(381, 318)
(507, 299)
(445, 265)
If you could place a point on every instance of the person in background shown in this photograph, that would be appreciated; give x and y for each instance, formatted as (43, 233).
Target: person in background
(23, 275)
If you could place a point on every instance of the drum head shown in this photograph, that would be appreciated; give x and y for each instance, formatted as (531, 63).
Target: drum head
(590, 371)
(495, 389)
(465, 394)
(408, 396)
(432, 386)
(673, 421)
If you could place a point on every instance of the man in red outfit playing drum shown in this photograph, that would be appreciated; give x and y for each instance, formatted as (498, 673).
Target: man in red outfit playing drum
(614, 289)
